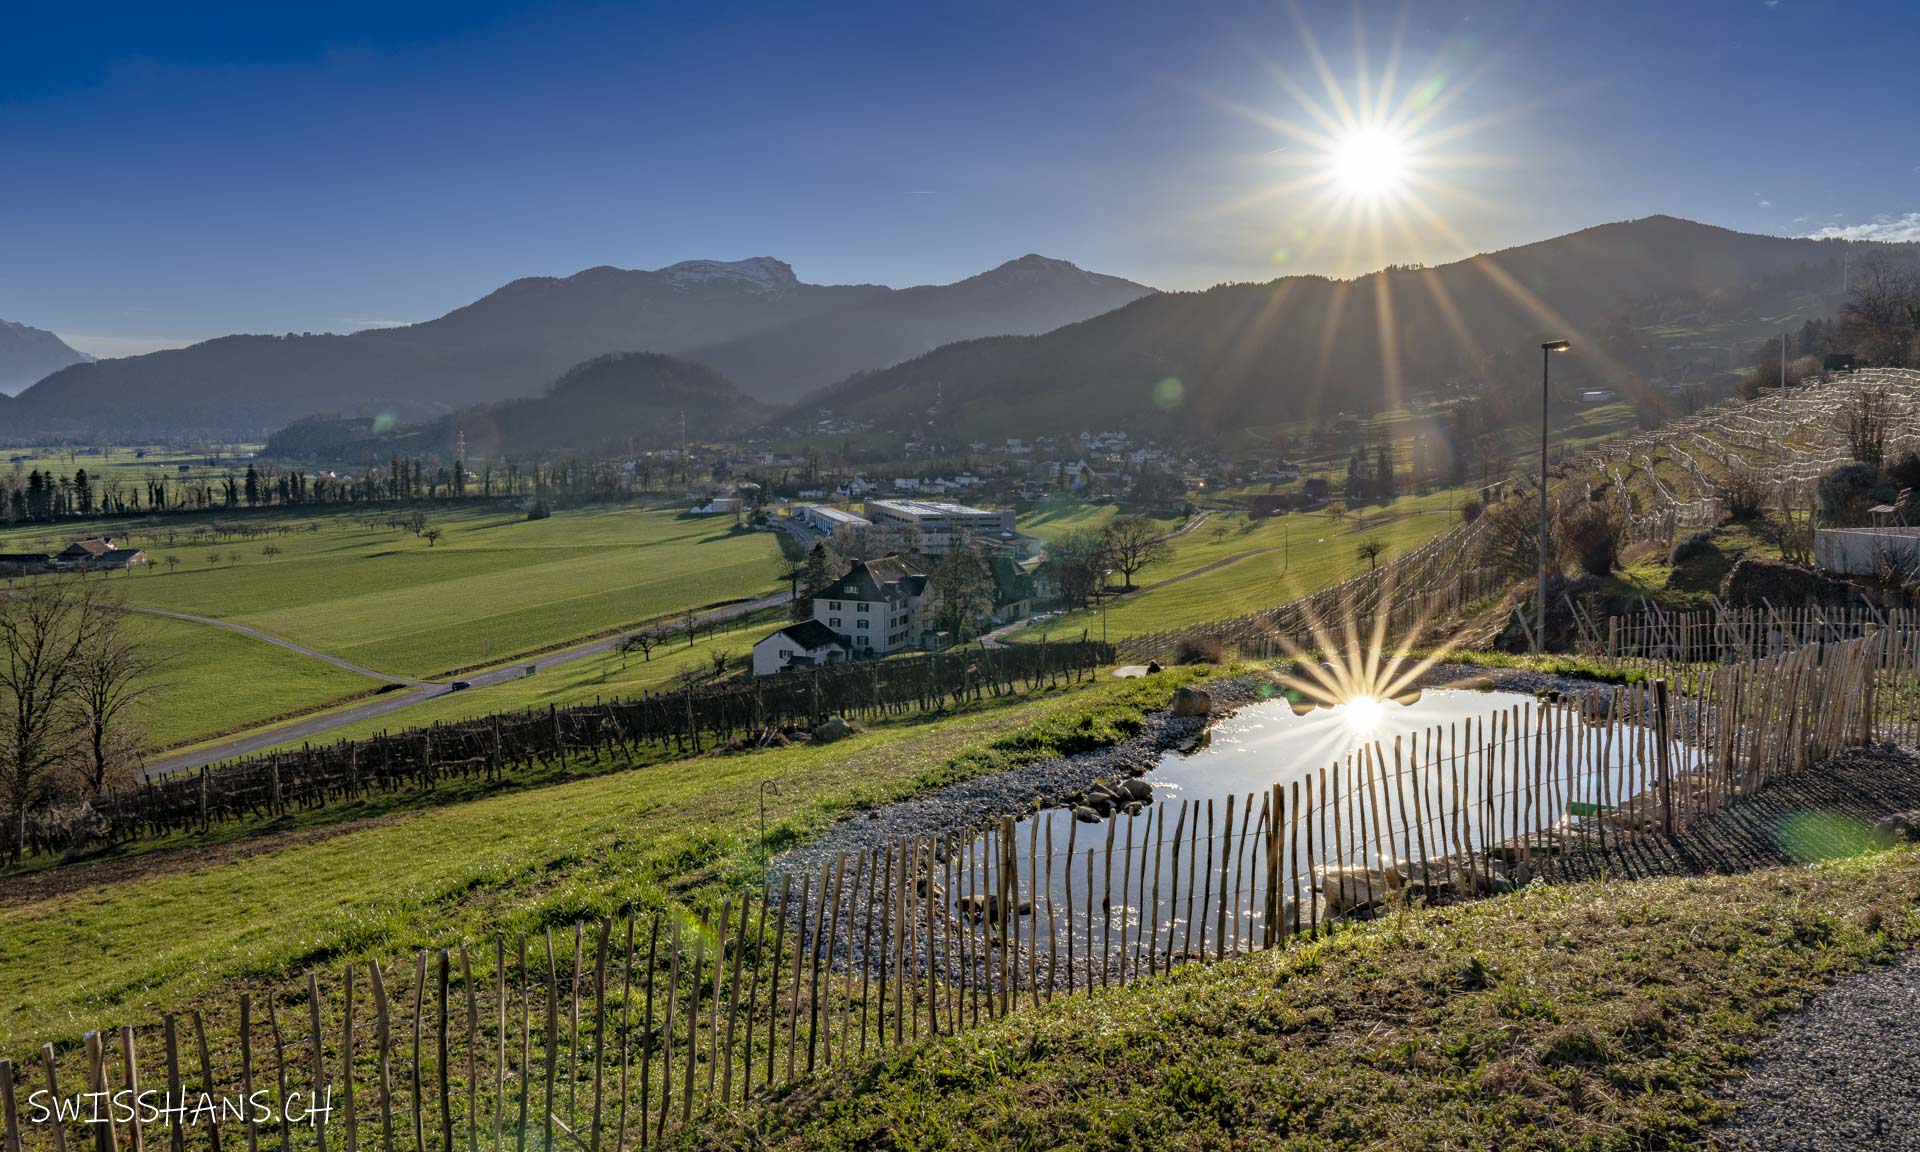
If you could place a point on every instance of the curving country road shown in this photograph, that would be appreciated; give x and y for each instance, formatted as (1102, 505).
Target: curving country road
(392, 701)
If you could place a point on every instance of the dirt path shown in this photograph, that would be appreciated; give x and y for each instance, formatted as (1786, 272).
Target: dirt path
(277, 641)
(1209, 567)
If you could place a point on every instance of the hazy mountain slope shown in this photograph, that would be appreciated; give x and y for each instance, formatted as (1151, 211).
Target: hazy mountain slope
(612, 404)
(1306, 346)
(514, 340)
(27, 354)
(1021, 297)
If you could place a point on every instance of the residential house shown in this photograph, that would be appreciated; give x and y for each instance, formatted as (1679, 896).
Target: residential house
(1015, 587)
(875, 607)
(807, 644)
(98, 553)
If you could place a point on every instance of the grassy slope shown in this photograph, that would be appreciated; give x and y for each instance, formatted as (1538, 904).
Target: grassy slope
(1054, 519)
(496, 585)
(1587, 1016)
(1313, 551)
(515, 862)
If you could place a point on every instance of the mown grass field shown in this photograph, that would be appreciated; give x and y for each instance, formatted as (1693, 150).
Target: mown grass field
(1582, 1016)
(1050, 521)
(606, 676)
(215, 681)
(163, 927)
(1297, 554)
(495, 585)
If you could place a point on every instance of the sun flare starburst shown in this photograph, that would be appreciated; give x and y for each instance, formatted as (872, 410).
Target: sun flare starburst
(1370, 162)
(1363, 714)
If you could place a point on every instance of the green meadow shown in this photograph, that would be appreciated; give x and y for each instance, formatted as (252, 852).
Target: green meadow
(213, 681)
(606, 675)
(495, 586)
(1262, 563)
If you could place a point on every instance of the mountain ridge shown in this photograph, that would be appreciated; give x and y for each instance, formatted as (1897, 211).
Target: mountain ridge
(29, 354)
(753, 320)
(619, 403)
(1211, 361)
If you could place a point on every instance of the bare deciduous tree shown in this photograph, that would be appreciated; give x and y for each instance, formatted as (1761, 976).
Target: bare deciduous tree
(959, 591)
(1867, 420)
(641, 642)
(1882, 312)
(1133, 543)
(43, 630)
(113, 672)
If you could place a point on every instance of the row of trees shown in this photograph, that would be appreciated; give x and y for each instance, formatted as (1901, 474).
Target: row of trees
(45, 496)
(72, 669)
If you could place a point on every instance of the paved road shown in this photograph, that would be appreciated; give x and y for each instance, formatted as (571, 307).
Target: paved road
(394, 701)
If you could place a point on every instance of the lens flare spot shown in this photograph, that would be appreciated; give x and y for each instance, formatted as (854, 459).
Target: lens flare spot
(1168, 393)
(1824, 836)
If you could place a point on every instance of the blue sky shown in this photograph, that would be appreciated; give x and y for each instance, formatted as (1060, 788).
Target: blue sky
(170, 173)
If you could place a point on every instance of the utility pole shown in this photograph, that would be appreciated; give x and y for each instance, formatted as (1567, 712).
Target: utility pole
(1783, 399)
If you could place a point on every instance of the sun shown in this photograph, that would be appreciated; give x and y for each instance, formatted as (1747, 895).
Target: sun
(1363, 713)
(1369, 163)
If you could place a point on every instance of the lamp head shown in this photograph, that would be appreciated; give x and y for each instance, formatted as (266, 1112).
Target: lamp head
(1556, 345)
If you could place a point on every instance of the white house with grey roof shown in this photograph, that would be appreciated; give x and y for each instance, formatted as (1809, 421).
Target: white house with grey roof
(807, 644)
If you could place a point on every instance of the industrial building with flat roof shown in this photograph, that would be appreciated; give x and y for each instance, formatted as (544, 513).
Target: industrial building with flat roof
(936, 527)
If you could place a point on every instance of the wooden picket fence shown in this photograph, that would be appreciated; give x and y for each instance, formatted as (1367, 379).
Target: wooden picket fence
(504, 744)
(621, 1034)
(1693, 650)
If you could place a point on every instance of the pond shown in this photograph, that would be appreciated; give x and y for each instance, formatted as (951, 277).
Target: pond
(1365, 795)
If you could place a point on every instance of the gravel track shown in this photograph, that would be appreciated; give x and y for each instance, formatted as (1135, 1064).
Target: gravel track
(1841, 1074)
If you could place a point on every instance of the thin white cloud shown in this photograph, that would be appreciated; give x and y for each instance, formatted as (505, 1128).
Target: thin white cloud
(1894, 229)
(1766, 203)
(366, 322)
(109, 347)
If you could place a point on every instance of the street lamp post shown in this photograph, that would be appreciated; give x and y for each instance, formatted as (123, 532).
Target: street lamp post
(1105, 595)
(1540, 592)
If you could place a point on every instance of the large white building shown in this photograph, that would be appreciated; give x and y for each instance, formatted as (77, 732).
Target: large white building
(872, 610)
(875, 607)
(937, 527)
